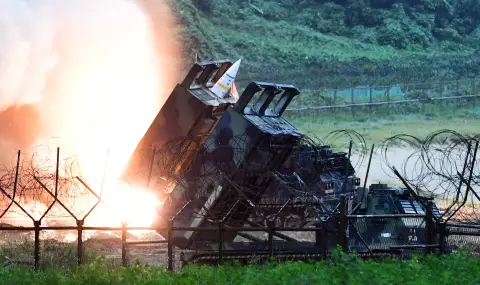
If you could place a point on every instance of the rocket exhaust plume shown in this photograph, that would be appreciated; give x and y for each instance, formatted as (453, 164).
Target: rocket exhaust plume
(91, 73)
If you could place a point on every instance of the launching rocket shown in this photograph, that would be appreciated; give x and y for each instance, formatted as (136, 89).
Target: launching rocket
(225, 83)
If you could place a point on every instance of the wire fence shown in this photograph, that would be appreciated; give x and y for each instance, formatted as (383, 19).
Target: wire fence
(407, 98)
(42, 187)
(368, 236)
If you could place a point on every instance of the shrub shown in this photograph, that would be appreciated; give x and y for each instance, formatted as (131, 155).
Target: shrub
(205, 6)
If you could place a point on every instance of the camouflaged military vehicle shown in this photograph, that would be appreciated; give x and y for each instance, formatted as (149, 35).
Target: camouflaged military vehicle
(383, 225)
(235, 162)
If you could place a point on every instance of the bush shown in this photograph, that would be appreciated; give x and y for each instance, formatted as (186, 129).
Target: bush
(393, 34)
(205, 6)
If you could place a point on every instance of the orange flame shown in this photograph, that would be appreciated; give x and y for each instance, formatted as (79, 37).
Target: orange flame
(113, 73)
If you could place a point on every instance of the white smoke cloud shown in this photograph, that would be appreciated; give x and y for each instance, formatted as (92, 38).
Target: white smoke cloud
(26, 53)
(87, 69)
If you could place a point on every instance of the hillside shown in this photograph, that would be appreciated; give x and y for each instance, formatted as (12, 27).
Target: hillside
(314, 43)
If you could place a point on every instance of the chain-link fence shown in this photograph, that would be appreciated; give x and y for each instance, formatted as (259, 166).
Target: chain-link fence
(425, 98)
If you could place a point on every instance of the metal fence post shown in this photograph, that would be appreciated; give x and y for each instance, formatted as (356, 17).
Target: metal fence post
(321, 237)
(325, 239)
(334, 99)
(343, 223)
(80, 242)
(442, 104)
(220, 242)
(124, 244)
(429, 224)
(353, 102)
(424, 96)
(318, 234)
(442, 233)
(270, 238)
(36, 257)
(170, 245)
(473, 93)
(388, 100)
(353, 95)
(371, 98)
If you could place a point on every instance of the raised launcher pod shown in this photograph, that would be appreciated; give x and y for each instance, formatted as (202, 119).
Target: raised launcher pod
(251, 140)
(190, 109)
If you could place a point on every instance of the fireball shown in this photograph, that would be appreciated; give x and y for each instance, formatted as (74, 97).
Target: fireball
(96, 73)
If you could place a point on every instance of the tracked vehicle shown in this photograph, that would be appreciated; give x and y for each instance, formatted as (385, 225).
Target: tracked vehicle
(235, 164)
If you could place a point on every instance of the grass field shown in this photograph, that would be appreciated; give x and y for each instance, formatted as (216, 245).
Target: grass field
(453, 269)
(377, 131)
(375, 125)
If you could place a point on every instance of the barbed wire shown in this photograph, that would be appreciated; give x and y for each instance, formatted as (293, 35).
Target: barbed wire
(31, 185)
(444, 165)
(407, 78)
(249, 174)
(237, 162)
(421, 84)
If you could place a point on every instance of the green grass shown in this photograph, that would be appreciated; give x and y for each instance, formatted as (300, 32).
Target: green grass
(453, 269)
(246, 33)
(375, 132)
(53, 254)
(281, 49)
(378, 124)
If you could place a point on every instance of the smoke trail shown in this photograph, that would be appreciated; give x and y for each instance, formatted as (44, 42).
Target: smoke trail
(26, 57)
(89, 72)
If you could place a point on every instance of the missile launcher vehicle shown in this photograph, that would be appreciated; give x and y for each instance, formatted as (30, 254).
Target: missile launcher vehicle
(236, 163)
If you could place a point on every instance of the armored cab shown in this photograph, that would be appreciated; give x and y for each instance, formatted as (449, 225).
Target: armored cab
(228, 176)
(190, 110)
(385, 226)
(384, 200)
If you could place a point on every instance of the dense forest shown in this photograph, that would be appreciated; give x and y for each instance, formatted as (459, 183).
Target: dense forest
(315, 43)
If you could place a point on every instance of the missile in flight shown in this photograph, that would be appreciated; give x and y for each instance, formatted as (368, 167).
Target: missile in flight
(224, 84)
